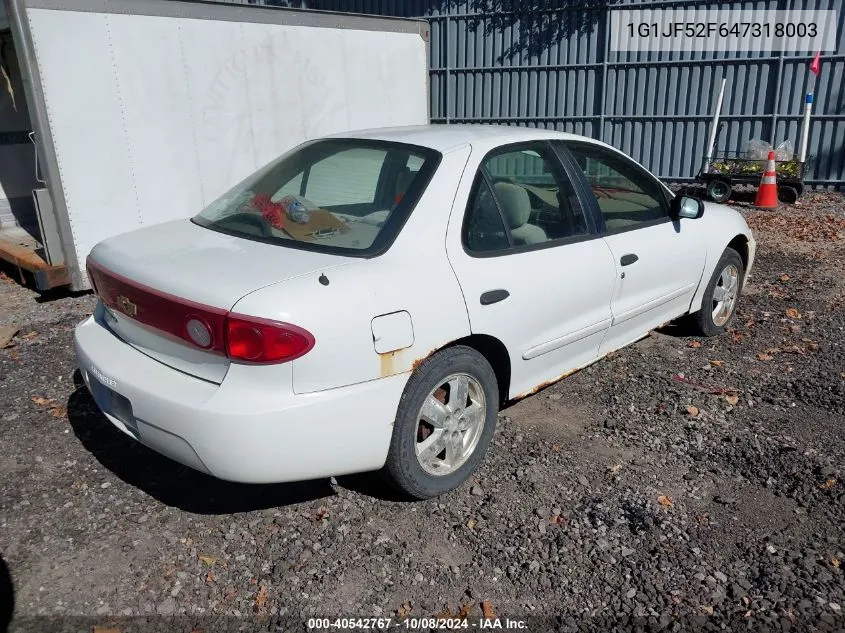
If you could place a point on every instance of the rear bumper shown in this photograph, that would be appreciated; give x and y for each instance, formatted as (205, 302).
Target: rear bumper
(247, 429)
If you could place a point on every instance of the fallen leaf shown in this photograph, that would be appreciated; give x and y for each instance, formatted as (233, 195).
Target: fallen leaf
(465, 611)
(555, 448)
(7, 332)
(29, 335)
(693, 411)
(614, 469)
(835, 562)
(784, 277)
(694, 344)
(792, 313)
(471, 524)
(58, 411)
(736, 337)
(558, 519)
(231, 595)
(732, 400)
(664, 501)
(829, 483)
(189, 541)
(706, 609)
(261, 596)
(321, 514)
(42, 401)
(487, 609)
(210, 578)
(208, 560)
(717, 363)
(405, 609)
(763, 356)
(105, 629)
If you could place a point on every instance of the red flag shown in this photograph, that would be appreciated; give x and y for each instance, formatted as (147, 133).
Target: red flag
(816, 64)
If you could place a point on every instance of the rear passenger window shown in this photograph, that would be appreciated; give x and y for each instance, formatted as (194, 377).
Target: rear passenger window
(484, 230)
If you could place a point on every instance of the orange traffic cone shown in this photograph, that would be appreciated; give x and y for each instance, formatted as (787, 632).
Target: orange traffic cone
(767, 194)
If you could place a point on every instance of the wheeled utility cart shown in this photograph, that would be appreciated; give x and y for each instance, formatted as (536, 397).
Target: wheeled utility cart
(724, 170)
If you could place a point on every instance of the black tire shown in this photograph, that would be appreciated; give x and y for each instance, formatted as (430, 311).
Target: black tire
(787, 194)
(403, 468)
(703, 319)
(719, 190)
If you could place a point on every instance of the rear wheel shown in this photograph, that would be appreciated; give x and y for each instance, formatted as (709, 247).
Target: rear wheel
(718, 190)
(718, 306)
(444, 423)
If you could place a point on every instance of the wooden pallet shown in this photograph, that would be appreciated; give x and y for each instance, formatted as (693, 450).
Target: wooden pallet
(20, 250)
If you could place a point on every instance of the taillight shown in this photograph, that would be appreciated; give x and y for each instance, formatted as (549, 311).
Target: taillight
(255, 340)
(238, 336)
(91, 280)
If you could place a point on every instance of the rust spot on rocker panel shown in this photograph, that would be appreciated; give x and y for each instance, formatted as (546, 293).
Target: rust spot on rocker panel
(548, 383)
(565, 374)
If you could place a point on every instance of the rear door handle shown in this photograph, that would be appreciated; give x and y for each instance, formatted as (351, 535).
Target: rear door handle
(628, 259)
(494, 296)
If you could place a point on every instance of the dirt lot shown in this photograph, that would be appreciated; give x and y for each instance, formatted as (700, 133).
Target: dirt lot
(679, 483)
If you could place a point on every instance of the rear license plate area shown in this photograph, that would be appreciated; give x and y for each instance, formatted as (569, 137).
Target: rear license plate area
(111, 402)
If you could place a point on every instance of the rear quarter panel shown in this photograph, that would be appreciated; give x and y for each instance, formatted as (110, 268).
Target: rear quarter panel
(414, 275)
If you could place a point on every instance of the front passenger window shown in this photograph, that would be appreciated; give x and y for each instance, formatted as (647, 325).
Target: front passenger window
(626, 196)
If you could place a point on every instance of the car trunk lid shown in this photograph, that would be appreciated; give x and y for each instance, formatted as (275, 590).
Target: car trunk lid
(154, 280)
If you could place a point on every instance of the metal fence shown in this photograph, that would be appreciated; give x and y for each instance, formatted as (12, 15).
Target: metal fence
(547, 63)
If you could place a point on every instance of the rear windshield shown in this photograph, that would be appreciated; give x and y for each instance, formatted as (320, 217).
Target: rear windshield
(338, 196)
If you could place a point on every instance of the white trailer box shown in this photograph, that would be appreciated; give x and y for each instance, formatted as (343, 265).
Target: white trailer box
(147, 110)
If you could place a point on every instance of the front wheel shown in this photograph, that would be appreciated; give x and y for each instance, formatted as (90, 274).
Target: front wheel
(718, 306)
(444, 423)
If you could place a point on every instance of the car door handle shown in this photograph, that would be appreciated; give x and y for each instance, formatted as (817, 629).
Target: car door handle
(628, 259)
(494, 296)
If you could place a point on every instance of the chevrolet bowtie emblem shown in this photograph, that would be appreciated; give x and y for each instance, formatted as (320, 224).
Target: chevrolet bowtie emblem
(126, 306)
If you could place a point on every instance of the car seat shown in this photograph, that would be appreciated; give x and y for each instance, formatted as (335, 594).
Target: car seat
(516, 206)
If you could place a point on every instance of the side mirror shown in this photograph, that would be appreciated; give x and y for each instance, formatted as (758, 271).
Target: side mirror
(686, 207)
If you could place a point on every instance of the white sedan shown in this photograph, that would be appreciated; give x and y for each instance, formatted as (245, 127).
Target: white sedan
(367, 301)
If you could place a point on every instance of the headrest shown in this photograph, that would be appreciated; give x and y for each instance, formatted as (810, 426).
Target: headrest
(516, 205)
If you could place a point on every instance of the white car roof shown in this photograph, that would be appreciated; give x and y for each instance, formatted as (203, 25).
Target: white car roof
(444, 138)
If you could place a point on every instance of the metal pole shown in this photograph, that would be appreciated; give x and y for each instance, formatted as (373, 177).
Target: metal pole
(805, 131)
(776, 100)
(605, 54)
(714, 126)
(446, 75)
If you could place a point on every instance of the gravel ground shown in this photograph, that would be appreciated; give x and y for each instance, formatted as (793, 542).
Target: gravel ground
(679, 483)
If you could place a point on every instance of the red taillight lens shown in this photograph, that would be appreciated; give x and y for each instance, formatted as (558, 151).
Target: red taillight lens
(261, 341)
(240, 337)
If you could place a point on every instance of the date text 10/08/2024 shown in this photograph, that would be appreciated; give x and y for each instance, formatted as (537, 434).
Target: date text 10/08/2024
(420, 624)
(723, 29)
